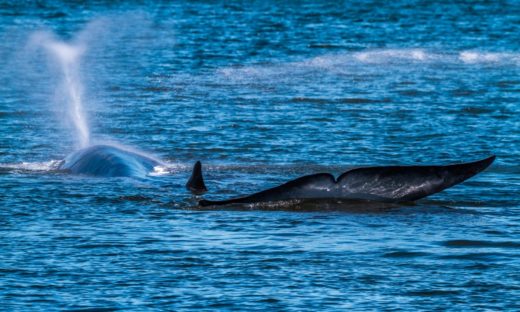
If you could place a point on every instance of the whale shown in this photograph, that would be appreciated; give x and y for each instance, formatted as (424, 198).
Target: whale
(388, 184)
(195, 183)
(109, 161)
(112, 161)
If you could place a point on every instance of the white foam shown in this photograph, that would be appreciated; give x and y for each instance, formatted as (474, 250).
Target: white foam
(45, 166)
(159, 171)
(347, 61)
(391, 55)
(168, 169)
(418, 55)
(473, 57)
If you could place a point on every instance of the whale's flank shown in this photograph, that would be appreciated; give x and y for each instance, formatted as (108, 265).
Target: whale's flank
(386, 184)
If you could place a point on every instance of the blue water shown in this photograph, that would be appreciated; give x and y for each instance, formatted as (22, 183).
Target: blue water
(260, 92)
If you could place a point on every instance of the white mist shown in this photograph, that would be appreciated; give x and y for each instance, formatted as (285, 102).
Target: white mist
(68, 57)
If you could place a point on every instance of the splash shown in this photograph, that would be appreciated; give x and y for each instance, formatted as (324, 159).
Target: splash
(68, 57)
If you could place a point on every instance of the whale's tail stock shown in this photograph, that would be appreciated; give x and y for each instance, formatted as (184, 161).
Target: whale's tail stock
(382, 183)
(196, 182)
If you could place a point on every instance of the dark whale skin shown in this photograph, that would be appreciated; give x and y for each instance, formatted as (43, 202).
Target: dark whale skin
(391, 184)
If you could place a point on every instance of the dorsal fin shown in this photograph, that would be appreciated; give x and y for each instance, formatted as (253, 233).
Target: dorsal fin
(196, 183)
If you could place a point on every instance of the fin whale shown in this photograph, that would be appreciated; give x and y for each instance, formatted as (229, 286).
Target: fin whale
(391, 184)
(196, 182)
(108, 161)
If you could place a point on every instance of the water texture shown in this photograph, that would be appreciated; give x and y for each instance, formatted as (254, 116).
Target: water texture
(260, 92)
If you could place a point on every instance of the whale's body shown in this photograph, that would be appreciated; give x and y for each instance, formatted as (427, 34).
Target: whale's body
(109, 161)
(382, 184)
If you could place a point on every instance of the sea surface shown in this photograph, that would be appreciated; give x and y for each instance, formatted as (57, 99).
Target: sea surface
(261, 92)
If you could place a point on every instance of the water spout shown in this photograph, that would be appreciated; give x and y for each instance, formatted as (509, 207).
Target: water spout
(68, 56)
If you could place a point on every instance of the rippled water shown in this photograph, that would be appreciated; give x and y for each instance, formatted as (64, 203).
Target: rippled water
(261, 93)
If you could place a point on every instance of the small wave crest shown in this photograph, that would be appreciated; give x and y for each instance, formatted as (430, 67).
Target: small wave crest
(392, 55)
(45, 166)
(472, 57)
(167, 169)
(347, 61)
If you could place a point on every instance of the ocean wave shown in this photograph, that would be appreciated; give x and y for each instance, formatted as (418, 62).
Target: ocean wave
(463, 243)
(45, 166)
(386, 55)
(349, 61)
(473, 57)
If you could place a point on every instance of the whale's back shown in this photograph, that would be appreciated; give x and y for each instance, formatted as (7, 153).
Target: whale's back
(108, 161)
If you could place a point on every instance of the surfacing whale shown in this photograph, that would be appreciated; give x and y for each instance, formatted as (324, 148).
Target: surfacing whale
(390, 184)
(109, 161)
(196, 182)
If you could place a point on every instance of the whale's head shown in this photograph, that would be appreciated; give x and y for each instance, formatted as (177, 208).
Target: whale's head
(108, 161)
